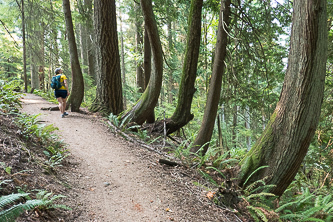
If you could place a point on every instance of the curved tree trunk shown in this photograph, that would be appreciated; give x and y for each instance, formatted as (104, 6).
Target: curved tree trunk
(182, 114)
(77, 91)
(109, 86)
(147, 102)
(285, 141)
(147, 69)
(208, 122)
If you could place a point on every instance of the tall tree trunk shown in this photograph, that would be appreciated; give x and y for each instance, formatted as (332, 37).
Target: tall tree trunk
(147, 69)
(84, 48)
(42, 60)
(123, 68)
(234, 125)
(247, 126)
(33, 70)
(147, 102)
(206, 129)
(170, 72)
(77, 91)
(287, 136)
(89, 40)
(138, 48)
(182, 114)
(109, 86)
(24, 50)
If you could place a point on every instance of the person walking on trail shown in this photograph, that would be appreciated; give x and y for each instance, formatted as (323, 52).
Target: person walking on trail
(62, 93)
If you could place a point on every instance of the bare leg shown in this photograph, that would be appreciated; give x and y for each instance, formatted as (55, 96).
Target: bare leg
(64, 104)
(60, 100)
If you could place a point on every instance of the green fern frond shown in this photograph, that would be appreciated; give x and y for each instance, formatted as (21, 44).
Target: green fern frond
(207, 176)
(259, 168)
(318, 201)
(11, 198)
(291, 217)
(328, 208)
(15, 211)
(312, 219)
(255, 184)
(327, 199)
(61, 206)
(310, 212)
(287, 205)
(258, 213)
(265, 187)
(258, 195)
(213, 168)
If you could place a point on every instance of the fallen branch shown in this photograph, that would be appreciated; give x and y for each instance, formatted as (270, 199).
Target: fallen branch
(167, 162)
(54, 108)
(131, 139)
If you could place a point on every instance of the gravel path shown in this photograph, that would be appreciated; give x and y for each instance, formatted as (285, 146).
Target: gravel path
(114, 180)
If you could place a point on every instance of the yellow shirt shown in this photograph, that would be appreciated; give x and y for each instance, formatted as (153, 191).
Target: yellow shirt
(62, 79)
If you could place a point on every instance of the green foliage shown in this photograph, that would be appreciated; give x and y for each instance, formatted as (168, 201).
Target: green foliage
(56, 156)
(45, 133)
(9, 100)
(48, 95)
(12, 206)
(30, 126)
(7, 169)
(259, 200)
(306, 205)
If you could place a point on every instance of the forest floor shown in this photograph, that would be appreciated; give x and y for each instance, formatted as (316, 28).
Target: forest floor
(107, 178)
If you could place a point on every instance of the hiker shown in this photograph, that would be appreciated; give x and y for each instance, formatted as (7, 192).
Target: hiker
(62, 93)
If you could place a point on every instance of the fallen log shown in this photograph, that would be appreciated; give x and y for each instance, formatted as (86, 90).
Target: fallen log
(54, 108)
(167, 162)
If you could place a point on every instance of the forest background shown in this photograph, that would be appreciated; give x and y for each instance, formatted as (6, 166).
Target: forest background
(255, 67)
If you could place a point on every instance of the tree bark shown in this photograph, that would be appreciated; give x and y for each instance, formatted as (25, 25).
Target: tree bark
(123, 68)
(77, 91)
(109, 86)
(147, 102)
(206, 129)
(182, 114)
(147, 69)
(138, 37)
(24, 50)
(287, 136)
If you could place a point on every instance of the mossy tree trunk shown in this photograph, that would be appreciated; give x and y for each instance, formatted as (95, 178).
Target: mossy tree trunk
(285, 141)
(109, 85)
(208, 122)
(147, 69)
(77, 91)
(147, 102)
(182, 114)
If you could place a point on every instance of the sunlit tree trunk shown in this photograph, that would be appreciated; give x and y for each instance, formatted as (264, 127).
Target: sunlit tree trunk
(206, 129)
(77, 89)
(287, 136)
(109, 98)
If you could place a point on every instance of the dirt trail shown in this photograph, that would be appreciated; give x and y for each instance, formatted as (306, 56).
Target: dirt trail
(113, 180)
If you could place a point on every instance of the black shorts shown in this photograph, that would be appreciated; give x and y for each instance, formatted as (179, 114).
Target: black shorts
(60, 93)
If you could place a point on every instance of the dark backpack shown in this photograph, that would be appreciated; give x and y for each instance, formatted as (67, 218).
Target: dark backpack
(55, 82)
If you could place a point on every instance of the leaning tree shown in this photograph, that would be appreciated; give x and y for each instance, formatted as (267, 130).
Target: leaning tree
(279, 151)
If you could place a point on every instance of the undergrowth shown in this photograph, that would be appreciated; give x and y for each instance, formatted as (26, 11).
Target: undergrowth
(24, 137)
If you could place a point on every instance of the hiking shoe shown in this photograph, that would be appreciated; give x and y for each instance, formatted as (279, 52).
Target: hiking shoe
(62, 115)
(65, 113)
